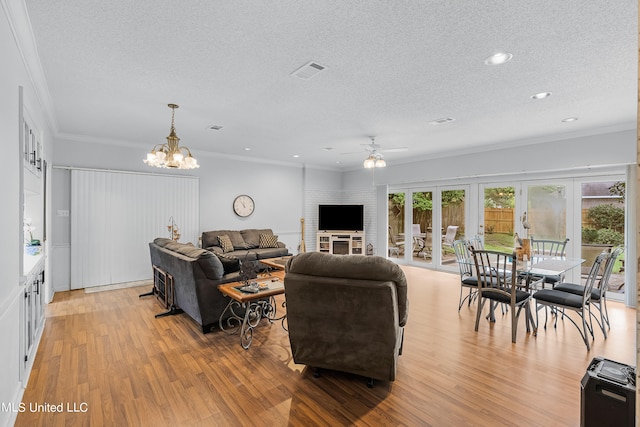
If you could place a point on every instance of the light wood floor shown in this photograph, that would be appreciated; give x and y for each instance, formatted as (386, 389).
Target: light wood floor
(107, 350)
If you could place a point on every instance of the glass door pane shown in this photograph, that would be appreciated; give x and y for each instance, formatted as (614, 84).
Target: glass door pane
(396, 243)
(602, 226)
(453, 209)
(422, 227)
(547, 212)
(499, 218)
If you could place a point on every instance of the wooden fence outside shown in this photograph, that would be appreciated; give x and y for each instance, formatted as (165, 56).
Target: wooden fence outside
(498, 220)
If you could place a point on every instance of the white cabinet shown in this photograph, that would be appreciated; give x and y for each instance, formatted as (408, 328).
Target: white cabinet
(32, 182)
(31, 146)
(340, 243)
(33, 310)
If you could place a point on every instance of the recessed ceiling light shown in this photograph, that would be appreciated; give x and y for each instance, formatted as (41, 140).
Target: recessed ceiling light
(338, 161)
(541, 95)
(215, 127)
(296, 156)
(247, 149)
(569, 119)
(498, 58)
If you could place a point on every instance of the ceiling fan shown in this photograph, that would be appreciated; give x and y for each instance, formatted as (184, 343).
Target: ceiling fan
(374, 148)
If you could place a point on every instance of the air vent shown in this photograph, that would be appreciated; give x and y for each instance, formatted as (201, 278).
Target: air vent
(215, 127)
(442, 121)
(308, 70)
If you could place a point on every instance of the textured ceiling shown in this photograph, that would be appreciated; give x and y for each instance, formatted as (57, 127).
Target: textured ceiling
(111, 68)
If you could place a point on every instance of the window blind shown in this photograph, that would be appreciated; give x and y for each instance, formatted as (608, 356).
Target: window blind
(114, 216)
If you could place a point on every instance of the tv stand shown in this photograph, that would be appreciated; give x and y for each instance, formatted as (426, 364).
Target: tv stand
(340, 242)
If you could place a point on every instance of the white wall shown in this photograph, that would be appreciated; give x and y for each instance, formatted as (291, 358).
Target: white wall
(277, 189)
(617, 148)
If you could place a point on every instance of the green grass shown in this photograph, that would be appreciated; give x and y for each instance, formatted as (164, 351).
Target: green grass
(618, 264)
(498, 242)
(504, 243)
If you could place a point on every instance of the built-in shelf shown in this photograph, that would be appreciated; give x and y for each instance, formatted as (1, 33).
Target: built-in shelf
(32, 184)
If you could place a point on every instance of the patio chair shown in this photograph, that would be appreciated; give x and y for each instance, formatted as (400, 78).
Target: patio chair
(419, 241)
(450, 236)
(395, 246)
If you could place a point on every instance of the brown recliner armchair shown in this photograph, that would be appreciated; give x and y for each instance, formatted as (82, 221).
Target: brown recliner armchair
(346, 313)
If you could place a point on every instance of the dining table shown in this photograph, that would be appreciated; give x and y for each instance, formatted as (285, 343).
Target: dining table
(531, 274)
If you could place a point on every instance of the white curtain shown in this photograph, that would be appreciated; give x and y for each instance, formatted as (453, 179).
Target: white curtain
(114, 216)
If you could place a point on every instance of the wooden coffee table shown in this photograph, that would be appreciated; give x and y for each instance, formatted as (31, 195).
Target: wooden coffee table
(277, 263)
(246, 309)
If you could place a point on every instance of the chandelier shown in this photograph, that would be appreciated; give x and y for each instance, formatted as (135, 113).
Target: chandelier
(171, 155)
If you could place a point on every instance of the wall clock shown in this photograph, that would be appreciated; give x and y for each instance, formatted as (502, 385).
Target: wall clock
(243, 205)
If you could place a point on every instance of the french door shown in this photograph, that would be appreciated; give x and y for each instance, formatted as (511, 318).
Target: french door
(424, 222)
(498, 205)
(590, 211)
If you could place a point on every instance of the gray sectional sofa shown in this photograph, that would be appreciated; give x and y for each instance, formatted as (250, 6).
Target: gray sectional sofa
(246, 244)
(196, 274)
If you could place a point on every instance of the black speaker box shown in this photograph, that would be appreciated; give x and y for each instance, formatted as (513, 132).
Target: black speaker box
(608, 394)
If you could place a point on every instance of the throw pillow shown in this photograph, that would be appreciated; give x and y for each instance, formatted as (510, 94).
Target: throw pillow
(268, 241)
(230, 263)
(225, 243)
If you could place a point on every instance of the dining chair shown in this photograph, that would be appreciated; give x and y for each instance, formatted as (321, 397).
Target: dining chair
(497, 282)
(581, 304)
(476, 242)
(468, 281)
(599, 292)
(395, 246)
(550, 248)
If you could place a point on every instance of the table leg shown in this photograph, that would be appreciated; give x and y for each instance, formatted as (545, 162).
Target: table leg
(245, 322)
(231, 319)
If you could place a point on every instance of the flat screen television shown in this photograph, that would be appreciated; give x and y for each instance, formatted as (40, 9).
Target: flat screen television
(341, 218)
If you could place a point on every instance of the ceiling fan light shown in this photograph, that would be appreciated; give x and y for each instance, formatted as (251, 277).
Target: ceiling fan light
(380, 163)
(369, 163)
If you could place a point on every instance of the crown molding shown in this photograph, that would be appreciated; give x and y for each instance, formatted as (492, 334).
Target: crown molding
(20, 24)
